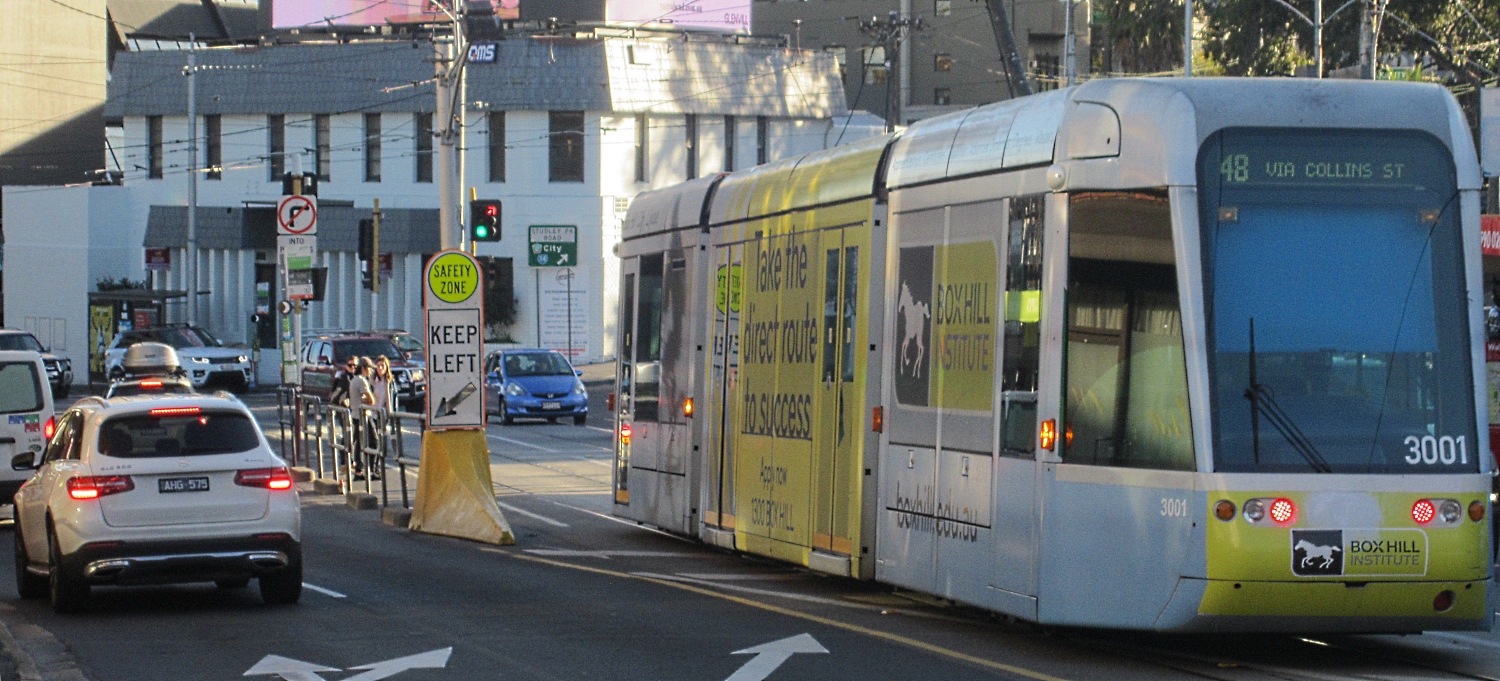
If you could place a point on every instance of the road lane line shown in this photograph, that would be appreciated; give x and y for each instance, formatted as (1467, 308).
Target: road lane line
(529, 514)
(326, 592)
(725, 577)
(523, 444)
(572, 553)
(876, 633)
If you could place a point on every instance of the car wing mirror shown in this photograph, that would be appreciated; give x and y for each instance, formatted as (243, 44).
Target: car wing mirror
(578, 372)
(25, 461)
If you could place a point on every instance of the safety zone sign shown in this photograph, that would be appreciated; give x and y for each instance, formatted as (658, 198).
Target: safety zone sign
(297, 215)
(453, 305)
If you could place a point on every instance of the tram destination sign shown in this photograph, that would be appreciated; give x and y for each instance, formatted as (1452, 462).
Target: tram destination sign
(1306, 161)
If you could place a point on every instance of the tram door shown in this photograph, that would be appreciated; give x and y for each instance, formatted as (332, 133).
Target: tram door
(839, 395)
(721, 410)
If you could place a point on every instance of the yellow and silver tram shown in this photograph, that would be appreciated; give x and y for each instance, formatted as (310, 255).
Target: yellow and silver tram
(1192, 354)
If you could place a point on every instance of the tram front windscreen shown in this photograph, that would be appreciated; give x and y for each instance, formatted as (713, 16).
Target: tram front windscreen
(1338, 324)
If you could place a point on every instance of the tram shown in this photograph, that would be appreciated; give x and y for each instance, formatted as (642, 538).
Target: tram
(1159, 354)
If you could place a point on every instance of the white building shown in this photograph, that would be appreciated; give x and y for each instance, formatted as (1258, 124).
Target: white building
(564, 130)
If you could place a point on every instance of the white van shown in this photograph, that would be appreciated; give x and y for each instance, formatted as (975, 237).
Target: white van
(26, 421)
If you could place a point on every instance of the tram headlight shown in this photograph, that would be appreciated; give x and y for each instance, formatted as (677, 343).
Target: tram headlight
(1255, 510)
(1476, 511)
(1450, 511)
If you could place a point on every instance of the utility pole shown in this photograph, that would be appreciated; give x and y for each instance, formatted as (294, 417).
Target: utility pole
(1010, 57)
(192, 212)
(1068, 67)
(903, 55)
(451, 56)
(891, 34)
(1187, 39)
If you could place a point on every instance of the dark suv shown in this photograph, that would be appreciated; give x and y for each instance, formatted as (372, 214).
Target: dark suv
(322, 357)
(59, 369)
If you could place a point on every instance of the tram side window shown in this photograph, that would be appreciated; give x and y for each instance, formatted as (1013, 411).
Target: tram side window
(671, 340)
(627, 336)
(1023, 299)
(1126, 374)
(648, 339)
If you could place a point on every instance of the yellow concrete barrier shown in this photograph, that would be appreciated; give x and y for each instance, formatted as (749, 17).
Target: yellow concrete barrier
(455, 496)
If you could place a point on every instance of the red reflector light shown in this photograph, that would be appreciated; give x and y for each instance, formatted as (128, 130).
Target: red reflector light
(269, 478)
(176, 411)
(1423, 511)
(877, 419)
(272, 536)
(1444, 601)
(95, 486)
(1283, 510)
(151, 383)
(50, 428)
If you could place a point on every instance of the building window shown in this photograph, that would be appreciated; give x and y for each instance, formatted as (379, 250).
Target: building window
(372, 147)
(321, 142)
(762, 140)
(276, 145)
(497, 146)
(942, 96)
(943, 8)
(424, 147)
(942, 62)
(642, 148)
(565, 147)
(153, 147)
(692, 146)
(213, 132)
(874, 65)
(1047, 67)
(729, 134)
(840, 55)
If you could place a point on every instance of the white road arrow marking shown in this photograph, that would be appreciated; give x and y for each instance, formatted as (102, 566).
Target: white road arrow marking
(432, 659)
(770, 656)
(288, 669)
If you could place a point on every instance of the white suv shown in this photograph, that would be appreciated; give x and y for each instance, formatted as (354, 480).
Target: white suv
(157, 490)
(26, 420)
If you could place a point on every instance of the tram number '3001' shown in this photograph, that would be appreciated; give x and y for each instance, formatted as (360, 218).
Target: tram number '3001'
(1430, 450)
(1174, 508)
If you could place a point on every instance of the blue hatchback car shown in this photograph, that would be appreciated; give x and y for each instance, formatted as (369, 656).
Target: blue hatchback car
(534, 383)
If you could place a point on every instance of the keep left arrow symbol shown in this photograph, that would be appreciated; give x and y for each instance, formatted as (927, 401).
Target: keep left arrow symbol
(432, 659)
(770, 656)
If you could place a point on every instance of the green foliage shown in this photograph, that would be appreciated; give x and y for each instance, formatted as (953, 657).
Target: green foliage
(1139, 36)
(121, 284)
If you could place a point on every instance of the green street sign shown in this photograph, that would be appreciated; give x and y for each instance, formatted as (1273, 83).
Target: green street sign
(552, 246)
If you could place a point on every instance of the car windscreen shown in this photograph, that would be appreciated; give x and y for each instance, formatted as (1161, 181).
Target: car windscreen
(407, 342)
(20, 388)
(20, 341)
(364, 347)
(145, 436)
(537, 364)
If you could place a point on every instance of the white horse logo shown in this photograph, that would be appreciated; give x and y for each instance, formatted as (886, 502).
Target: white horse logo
(915, 315)
(1311, 552)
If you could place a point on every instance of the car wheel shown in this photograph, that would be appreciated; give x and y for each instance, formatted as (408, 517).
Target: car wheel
(27, 584)
(580, 419)
(283, 587)
(505, 416)
(236, 583)
(69, 592)
(61, 390)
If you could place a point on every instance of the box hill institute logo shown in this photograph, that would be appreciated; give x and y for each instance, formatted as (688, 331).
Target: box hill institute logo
(1317, 553)
(913, 326)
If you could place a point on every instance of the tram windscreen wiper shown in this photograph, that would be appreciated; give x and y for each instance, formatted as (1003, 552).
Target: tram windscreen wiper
(1263, 403)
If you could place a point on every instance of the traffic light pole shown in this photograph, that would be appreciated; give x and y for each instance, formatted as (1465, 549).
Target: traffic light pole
(375, 271)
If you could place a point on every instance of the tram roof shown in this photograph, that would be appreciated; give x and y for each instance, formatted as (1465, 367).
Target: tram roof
(671, 208)
(825, 177)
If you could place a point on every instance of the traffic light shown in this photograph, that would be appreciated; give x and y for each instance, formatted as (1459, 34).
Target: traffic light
(484, 220)
(368, 247)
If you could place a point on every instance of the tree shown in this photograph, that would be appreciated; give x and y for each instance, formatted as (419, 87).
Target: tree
(1139, 36)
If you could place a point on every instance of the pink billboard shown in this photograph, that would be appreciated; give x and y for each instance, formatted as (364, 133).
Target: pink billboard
(729, 16)
(313, 13)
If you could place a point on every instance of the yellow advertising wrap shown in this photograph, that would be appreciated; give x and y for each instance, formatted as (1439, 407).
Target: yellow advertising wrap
(455, 496)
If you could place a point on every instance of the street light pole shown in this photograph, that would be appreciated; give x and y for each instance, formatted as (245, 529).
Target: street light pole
(192, 189)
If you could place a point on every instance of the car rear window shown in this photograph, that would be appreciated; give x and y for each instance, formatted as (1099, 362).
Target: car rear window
(20, 388)
(144, 436)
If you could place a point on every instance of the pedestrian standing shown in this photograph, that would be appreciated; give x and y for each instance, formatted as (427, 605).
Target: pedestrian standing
(360, 393)
(339, 395)
(382, 383)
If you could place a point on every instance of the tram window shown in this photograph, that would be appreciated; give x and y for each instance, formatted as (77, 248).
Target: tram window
(1023, 289)
(830, 313)
(627, 335)
(1126, 373)
(648, 339)
(671, 340)
(851, 298)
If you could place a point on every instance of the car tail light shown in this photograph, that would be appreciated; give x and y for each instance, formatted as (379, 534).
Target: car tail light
(624, 433)
(176, 411)
(1423, 511)
(1048, 434)
(269, 478)
(151, 383)
(1283, 511)
(50, 428)
(95, 486)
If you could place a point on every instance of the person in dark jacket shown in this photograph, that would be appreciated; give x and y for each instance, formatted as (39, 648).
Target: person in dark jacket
(340, 394)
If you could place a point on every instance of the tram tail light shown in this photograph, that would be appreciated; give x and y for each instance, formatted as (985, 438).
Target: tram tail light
(1283, 511)
(1476, 511)
(687, 407)
(877, 419)
(1047, 436)
(1224, 510)
(1423, 511)
(624, 433)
